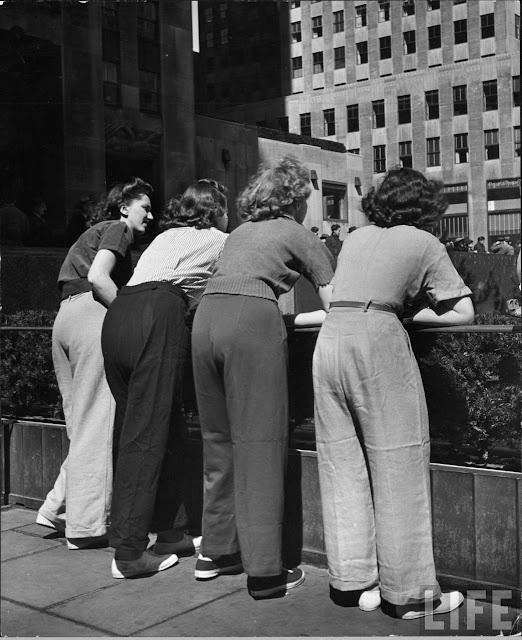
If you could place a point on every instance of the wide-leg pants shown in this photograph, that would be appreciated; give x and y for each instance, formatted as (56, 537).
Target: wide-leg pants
(240, 361)
(84, 485)
(373, 454)
(145, 345)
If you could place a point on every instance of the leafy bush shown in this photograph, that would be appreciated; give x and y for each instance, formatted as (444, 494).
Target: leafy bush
(472, 383)
(27, 377)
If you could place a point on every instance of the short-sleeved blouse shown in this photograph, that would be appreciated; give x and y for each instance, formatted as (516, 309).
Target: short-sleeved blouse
(113, 235)
(394, 266)
(264, 259)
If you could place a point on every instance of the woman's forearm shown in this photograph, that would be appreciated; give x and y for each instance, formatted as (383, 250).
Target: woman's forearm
(449, 313)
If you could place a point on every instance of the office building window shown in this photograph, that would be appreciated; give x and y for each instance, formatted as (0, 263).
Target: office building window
(434, 37)
(490, 95)
(404, 109)
(283, 123)
(516, 138)
(433, 152)
(111, 84)
(487, 25)
(385, 50)
(352, 114)
(361, 16)
(295, 4)
(209, 14)
(147, 20)
(432, 104)
(517, 26)
(149, 91)
(409, 42)
(223, 36)
(297, 67)
(362, 52)
(209, 40)
(460, 31)
(334, 201)
(305, 124)
(318, 62)
(338, 21)
(384, 10)
(461, 148)
(329, 122)
(295, 29)
(405, 154)
(433, 5)
(111, 46)
(339, 58)
(460, 100)
(379, 119)
(317, 27)
(408, 7)
(355, 151)
(110, 16)
(491, 145)
(516, 91)
(379, 158)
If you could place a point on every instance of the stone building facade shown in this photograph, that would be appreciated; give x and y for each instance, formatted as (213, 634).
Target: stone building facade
(434, 84)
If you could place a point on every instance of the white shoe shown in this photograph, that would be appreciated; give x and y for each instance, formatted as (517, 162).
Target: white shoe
(370, 600)
(57, 525)
(448, 602)
(93, 542)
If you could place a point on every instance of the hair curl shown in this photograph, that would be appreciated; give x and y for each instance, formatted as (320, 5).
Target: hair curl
(405, 196)
(108, 208)
(202, 204)
(272, 191)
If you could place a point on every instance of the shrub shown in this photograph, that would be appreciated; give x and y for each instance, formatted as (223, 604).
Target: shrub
(27, 377)
(472, 383)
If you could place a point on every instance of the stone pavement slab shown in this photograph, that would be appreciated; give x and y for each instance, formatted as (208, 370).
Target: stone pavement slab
(22, 621)
(56, 575)
(16, 544)
(13, 518)
(132, 605)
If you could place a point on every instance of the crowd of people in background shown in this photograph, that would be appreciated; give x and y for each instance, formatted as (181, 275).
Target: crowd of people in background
(121, 343)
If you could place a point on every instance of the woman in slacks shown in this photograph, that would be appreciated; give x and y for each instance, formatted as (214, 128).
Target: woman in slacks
(145, 343)
(97, 264)
(371, 419)
(240, 371)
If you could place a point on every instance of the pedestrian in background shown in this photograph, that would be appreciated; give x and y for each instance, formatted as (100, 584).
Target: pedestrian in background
(333, 241)
(480, 247)
(97, 264)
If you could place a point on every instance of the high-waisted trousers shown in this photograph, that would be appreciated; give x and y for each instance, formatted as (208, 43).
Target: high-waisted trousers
(240, 360)
(373, 452)
(84, 485)
(145, 343)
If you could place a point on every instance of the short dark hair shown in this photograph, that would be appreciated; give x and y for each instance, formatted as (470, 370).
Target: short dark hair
(405, 196)
(334, 227)
(108, 208)
(351, 229)
(480, 238)
(314, 229)
(202, 204)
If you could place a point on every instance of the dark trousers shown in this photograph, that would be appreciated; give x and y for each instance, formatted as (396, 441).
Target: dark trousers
(145, 343)
(240, 371)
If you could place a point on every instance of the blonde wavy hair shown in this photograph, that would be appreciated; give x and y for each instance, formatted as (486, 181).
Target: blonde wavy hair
(272, 191)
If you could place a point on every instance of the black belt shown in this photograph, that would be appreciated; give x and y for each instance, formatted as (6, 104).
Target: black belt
(378, 306)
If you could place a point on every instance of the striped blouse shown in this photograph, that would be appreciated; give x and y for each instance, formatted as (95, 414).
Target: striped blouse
(183, 256)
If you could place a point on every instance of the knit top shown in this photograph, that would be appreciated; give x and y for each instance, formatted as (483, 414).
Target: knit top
(264, 259)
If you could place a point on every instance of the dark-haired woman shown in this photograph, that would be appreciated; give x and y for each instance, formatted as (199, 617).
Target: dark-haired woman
(240, 372)
(145, 342)
(371, 419)
(97, 264)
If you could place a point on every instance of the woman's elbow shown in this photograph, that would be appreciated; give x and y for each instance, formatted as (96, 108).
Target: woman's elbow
(466, 312)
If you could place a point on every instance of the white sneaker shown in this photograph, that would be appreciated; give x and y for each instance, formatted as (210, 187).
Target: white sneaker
(57, 525)
(146, 564)
(448, 602)
(370, 600)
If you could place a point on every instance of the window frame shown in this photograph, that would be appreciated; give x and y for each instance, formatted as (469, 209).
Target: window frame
(404, 109)
(460, 100)
(317, 60)
(361, 16)
(383, 49)
(460, 36)
(515, 85)
(305, 122)
(338, 21)
(491, 149)
(362, 52)
(384, 10)
(437, 38)
(352, 109)
(317, 27)
(487, 30)
(432, 105)
(379, 158)
(408, 8)
(433, 155)
(296, 32)
(409, 42)
(461, 148)
(378, 114)
(297, 67)
(490, 97)
(329, 122)
(406, 155)
(339, 60)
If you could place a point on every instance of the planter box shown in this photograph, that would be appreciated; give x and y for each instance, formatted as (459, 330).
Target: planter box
(477, 513)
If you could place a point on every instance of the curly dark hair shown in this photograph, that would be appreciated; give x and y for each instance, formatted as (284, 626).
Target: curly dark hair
(108, 208)
(271, 192)
(405, 196)
(202, 204)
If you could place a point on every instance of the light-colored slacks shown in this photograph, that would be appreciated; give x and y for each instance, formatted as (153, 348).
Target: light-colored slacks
(84, 486)
(373, 454)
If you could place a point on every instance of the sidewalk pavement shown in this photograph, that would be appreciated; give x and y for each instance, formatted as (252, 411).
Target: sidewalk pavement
(48, 590)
